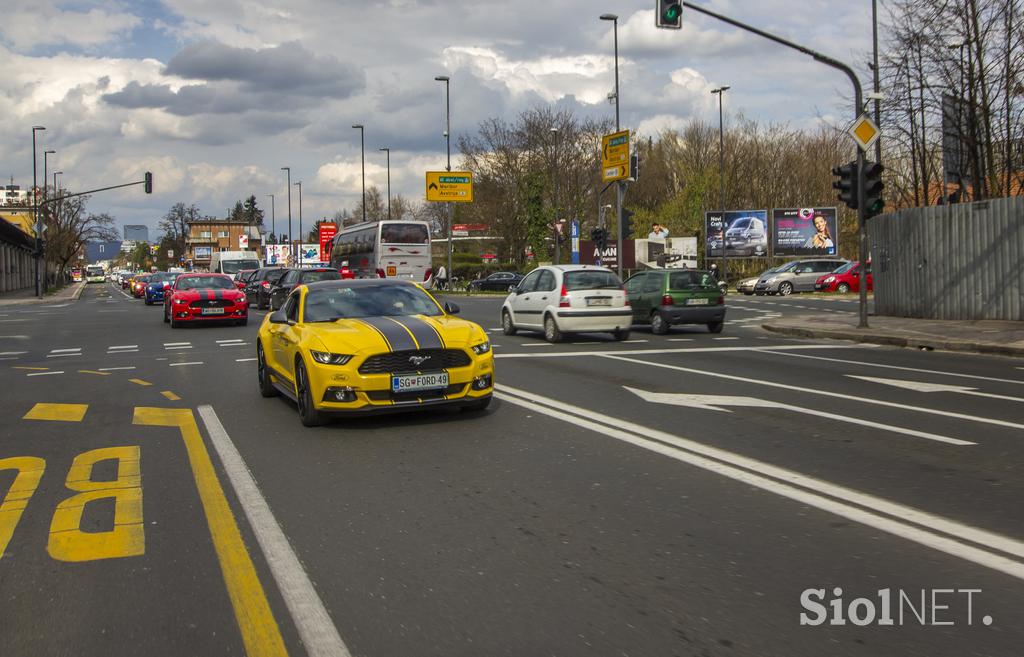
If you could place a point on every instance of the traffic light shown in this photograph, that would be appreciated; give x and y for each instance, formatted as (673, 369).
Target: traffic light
(873, 186)
(149, 183)
(634, 167)
(668, 14)
(626, 224)
(600, 237)
(847, 183)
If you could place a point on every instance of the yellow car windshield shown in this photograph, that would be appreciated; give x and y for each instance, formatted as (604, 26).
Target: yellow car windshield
(330, 304)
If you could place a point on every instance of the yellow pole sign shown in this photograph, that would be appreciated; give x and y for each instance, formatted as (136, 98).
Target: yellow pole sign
(450, 186)
(615, 156)
(865, 132)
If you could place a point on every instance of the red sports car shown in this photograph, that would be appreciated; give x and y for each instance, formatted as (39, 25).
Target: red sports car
(843, 280)
(139, 285)
(205, 298)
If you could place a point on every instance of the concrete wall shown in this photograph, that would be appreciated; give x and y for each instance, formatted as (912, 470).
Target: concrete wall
(962, 262)
(17, 269)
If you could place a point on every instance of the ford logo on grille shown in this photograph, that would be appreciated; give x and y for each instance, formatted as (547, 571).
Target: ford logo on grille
(418, 360)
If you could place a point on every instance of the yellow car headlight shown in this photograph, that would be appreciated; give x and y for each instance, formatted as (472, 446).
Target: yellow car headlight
(327, 358)
(481, 349)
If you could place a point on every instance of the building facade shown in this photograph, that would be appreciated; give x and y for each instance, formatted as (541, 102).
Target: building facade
(209, 236)
(136, 233)
(14, 195)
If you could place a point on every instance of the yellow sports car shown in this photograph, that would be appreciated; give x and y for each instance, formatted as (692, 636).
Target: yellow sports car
(372, 345)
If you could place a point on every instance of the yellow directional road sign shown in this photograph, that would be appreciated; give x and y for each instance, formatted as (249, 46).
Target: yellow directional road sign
(615, 156)
(865, 132)
(450, 186)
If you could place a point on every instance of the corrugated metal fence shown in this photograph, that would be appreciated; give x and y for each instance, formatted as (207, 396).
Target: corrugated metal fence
(962, 261)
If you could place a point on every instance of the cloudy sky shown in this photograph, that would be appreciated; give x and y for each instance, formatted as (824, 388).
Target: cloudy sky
(215, 96)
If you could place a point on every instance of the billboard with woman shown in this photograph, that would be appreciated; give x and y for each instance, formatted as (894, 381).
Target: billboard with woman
(805, 232)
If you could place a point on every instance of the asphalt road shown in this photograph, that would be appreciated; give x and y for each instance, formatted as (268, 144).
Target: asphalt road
(667, 495)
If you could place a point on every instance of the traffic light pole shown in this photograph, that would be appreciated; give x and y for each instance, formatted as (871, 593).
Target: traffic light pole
(858, 103)
(618, 213)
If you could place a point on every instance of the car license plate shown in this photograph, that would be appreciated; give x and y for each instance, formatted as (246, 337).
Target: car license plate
(414, 382)
(697, 302)
(213, 311)
(599, 301)
(392, 271)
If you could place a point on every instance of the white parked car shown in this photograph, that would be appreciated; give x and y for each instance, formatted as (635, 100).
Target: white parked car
(562, 299)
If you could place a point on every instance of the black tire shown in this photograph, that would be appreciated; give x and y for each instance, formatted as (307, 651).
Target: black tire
(508, 327)
(477, 405)
(242, 322)
(267, 388)
(167, 316)
(308, 415)
(147, 301)
(715, 327)
(659, 325)
(175, 323)
(785, 288)
(749, 293)
(551, 332)
(260, 304)
(620, 334)
(843, 288)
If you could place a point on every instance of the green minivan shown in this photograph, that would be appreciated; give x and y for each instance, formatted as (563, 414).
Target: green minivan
(665, 297)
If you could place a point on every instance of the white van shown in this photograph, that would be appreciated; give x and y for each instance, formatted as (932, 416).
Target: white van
(232, 262)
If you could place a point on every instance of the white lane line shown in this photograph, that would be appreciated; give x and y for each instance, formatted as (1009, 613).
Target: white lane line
(316, 629)
(679, 350)
(199, 362)
(244, 360)
(123, 346)
(114, 369)
(823, 393)
(8, 358)
(935, 532)
(768, 350)
(234, 344)
(122, 351)
(44, 373)
(725, 338)
(12, 353)
(175, 344)
(63, 355)
(227, 341)
(65, 351)
(538, 344)
(633, 341)
(680, 339)
(184, 346)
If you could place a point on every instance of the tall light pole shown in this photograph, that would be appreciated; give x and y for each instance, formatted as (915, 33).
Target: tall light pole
(55, 174)
(45, 167)
(35, 207)
(301, 238)
(388, 152)
(877, 83)
(272, 227)
(720, 91)
(362, 151)
(448, 167)
(619, 186)
(554, 197)
(291, 242)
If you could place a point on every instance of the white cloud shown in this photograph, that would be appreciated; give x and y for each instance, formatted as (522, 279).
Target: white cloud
(31, 23)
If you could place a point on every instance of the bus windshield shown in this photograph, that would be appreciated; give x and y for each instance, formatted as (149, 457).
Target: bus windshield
(94, 271)
(404, 234)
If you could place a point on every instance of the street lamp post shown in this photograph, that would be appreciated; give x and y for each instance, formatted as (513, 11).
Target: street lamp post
(301, 238)
(362, 156)
(291, 242)
(554, 199)
(720, 91)
(448, 167)
(388, 152)
(272, 227)
(35, 207)
(55, 174)
(618, 186)
(45, 168)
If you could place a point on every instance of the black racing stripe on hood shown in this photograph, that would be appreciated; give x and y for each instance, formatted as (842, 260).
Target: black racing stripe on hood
(378, 331)
(425, 334)
(396, 334)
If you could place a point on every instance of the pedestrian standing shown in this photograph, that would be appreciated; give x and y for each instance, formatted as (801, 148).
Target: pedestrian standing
(441, 277)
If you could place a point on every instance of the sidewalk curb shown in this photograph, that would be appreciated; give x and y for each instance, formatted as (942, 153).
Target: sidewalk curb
(60, 297)
(895, 340)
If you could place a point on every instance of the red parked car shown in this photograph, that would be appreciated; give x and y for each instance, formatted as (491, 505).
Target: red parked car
(843, 280)
(198, 298)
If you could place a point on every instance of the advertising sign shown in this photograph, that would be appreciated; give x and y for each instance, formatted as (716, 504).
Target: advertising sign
(243, 242)
(574, 235)
(591, 255)
(805, 232)
(309, 254)
(450, 186)
(745, 233)
(327, 232)
(615, 156)
(277, 254)
(204, 252)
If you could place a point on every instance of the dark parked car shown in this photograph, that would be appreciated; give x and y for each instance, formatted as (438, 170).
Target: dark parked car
(259, 285)
(499, 281)
(662, 298)
(295, 277)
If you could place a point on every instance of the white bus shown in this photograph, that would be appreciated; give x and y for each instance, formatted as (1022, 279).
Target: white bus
(95, 274)
(384, 249)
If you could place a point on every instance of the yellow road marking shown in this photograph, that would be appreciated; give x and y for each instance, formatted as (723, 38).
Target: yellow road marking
(260, 633)
(37, 369)
(30, 471)
(68, 542)
(170, 395)
(57, 412)
(140, 382)
(94, 372)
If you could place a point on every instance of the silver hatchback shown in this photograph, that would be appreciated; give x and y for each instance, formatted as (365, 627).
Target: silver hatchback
(796, 276)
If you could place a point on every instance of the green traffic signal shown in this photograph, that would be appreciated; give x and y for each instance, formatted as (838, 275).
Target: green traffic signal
(873, 187)
(668, 14)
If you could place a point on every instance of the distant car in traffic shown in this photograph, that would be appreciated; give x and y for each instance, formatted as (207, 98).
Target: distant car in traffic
(157, 285)
(845, 279)
(242, 277)
(663, 298)
(561, 299)
(796, 276)
(499, 281)
(259, 285)
(356, 347)
(139, 285)
(746, 285)
(293, 277)
(200, 298)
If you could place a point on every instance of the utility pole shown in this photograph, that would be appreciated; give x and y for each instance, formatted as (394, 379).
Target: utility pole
(619, 186)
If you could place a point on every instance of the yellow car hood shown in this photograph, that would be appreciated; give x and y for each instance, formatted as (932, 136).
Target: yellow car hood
(371, 335)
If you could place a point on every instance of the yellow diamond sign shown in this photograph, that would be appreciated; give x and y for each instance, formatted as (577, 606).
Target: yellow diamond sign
(865, 132)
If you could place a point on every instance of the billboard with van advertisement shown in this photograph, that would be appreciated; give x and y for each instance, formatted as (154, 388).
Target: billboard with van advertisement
(805, 232)
(745, 233)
